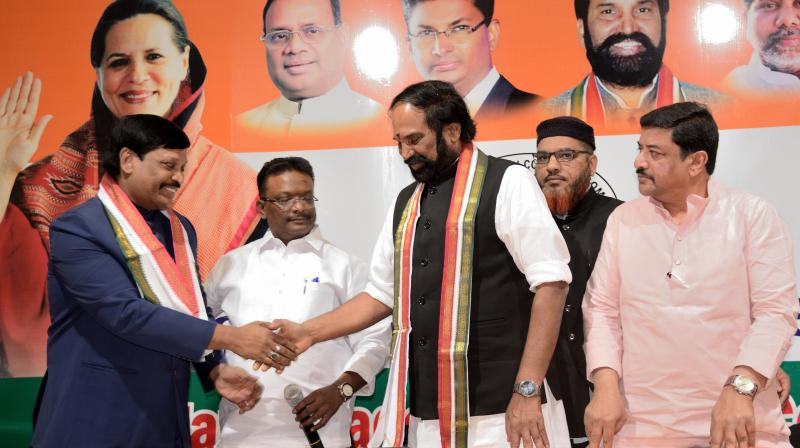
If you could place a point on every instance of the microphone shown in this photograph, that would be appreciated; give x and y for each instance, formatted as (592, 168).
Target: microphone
(294, 396)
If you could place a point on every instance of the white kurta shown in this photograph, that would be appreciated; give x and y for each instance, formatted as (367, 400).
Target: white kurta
(267, 280)
(756, 79)
(336, 108)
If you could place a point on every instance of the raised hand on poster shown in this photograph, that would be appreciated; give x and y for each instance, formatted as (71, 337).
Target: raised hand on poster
(20, 131)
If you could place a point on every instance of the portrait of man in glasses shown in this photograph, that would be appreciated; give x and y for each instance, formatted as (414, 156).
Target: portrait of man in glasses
(453, 41)
(306, 46)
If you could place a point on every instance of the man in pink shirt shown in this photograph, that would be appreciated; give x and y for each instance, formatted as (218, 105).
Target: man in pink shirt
(692, 304)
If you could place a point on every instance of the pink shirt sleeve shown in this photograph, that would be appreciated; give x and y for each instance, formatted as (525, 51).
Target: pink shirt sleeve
(601, 310)
(773, 291)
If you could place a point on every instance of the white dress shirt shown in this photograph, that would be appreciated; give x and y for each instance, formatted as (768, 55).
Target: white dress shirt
(338, 107)
(267, 280)
(480, 92)
(524, 223)
(756, 79)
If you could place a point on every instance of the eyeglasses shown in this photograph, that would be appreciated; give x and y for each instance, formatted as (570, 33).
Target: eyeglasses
(311, 35)
(562, 156)
(287, 203)
(456, 35)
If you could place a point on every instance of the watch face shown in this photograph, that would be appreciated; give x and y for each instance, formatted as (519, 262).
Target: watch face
(347, 390)
(744, 384)
(527, 388)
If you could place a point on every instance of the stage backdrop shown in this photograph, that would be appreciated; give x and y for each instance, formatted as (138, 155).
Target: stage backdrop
(526, 62)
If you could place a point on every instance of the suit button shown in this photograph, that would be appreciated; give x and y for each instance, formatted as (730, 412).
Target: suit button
(423, 262)
(421, 300)
(423, 342)
(568, 308)
(427, 224)
(566, 227)
(433, 191)
(571, 336)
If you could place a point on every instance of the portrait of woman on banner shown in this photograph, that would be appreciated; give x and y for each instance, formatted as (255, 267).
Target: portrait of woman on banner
(145, 64)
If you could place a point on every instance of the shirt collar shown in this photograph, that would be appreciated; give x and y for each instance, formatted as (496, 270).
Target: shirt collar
(480, 92)
(323, 103)
(619, 100)
(314, 239)
(695, 205)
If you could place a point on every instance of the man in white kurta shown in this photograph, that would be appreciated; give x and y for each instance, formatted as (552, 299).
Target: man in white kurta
(774, 68)
(306, 46)
(294, 273)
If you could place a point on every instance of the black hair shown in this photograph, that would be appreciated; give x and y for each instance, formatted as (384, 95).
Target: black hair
(582, 8)
(485, 6)
(281, 165)
(141, 134)
(693, 128)
(442, 105)
(121, 10)
(335, 9)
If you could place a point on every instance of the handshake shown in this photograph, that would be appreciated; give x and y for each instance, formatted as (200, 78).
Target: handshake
(270, 344)
(276, 345)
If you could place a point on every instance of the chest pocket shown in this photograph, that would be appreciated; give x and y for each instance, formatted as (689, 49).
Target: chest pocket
(309, 301)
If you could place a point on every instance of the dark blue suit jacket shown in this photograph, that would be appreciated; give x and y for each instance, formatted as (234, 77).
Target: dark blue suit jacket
(504, 97)
(118, 366)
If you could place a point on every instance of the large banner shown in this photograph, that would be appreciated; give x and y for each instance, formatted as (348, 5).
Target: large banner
(314, 78)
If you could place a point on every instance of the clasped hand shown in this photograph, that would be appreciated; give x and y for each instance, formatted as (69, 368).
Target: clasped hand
(267, 348)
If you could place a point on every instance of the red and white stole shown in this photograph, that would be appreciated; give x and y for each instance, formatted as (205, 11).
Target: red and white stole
(587, 104)
(160, 279)
(454, 311)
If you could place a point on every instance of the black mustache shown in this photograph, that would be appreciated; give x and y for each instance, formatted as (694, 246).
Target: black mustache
(621, 37)
(416, 159)
(643, 173)
(173, 184)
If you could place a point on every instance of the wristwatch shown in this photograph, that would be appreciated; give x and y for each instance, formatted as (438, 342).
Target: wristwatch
(346, 391)
(527, 388)
(742, 384)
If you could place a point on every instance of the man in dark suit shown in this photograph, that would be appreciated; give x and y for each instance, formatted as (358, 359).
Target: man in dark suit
(453, 41)
(128, 313)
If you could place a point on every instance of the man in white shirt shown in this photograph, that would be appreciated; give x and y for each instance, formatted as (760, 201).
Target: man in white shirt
(773, 29)
(453, 41)
(306, 48)
(294, 273)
